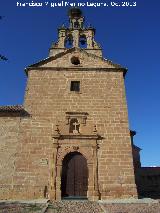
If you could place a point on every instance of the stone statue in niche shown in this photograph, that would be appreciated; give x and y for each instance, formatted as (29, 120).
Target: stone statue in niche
(74, 126)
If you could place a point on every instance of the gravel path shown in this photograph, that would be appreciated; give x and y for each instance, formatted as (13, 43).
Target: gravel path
(81, 207)
(132, 208)
(74, 207)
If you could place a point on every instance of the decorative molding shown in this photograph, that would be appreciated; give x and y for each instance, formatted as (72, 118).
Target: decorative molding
(81, 116)
(103, 69)
(82, 137)
(75, 148)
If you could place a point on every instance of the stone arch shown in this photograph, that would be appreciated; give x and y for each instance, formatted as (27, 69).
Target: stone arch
(68, 150)
(74, 175)
(89, 154)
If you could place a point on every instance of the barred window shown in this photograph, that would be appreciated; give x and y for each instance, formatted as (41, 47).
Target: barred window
(75, 86)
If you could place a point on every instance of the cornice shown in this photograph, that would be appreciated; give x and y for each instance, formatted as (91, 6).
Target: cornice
(82, 137)
(78, 68)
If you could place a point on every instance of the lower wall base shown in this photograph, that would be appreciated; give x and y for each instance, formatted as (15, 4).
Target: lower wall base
(119, 191)
(22, 193)
(111, 192)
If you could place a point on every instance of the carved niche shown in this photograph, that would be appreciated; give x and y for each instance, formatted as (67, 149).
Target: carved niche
(75, 120)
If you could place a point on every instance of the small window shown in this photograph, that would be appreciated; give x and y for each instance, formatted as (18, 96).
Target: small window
(75, 86)
(75, 60)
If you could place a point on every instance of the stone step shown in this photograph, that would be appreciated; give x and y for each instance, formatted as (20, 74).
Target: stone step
(74, 207)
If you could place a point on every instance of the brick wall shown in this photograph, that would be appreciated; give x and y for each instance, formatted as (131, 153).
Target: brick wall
(9, 128)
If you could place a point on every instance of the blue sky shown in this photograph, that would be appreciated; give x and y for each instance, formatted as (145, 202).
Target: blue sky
(129, 36)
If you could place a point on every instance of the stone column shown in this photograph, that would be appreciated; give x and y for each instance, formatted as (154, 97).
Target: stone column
(89, 37)
(61, 39)
(58, 182)
(90, 193)
(75, 35)
(95, 168)
(53, 172)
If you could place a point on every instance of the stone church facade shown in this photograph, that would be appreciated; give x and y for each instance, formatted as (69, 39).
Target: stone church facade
(71, 137)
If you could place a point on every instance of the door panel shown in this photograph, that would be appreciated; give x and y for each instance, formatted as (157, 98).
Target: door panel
(74, 175)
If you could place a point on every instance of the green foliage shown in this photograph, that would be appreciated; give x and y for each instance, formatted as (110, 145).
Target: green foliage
(3, 58)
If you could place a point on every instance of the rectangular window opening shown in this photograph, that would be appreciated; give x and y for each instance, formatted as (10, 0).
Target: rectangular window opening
(75, 86)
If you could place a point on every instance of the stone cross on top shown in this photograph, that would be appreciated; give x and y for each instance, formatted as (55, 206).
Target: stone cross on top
(76, 127)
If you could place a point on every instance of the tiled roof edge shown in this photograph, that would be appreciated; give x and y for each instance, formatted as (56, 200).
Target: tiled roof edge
(13, 109)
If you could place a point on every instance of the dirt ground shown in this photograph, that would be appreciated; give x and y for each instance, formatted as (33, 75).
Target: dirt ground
(132, 208)
(79, 207)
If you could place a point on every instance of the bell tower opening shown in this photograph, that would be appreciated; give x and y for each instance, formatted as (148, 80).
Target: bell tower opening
(82, 41)
(76, 34)
(69, 41)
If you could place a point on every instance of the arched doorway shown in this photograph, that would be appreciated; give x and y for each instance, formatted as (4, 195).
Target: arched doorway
(74, 178)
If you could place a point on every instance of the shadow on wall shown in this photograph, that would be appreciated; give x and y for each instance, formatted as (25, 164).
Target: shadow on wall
(148, 182)
(147, 178)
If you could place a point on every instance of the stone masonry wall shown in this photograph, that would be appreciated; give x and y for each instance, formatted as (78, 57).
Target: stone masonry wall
(48, 98)
(9, 127)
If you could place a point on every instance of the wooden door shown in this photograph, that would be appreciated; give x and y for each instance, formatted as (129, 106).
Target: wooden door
(74, 182)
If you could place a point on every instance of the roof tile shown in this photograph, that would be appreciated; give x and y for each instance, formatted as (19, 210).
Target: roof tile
(11, 108)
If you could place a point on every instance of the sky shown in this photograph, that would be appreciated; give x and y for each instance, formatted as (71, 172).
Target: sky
(129, 36)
